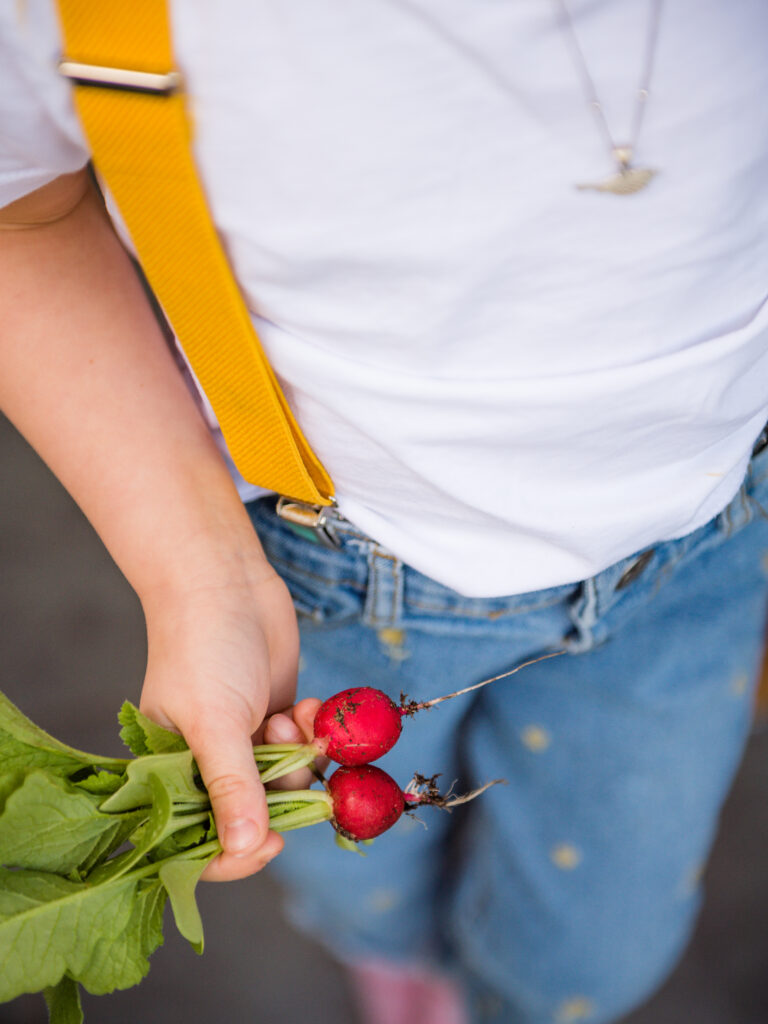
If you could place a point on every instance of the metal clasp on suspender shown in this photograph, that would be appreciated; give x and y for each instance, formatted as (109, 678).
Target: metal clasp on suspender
(314, 522)
(157, 84)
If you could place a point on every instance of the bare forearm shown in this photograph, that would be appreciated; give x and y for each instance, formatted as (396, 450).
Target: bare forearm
(87, 377)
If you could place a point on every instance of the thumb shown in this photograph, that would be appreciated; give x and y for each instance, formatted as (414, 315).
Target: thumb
(224, 755)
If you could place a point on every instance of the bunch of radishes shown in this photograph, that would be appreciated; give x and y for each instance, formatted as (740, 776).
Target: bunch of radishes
(353, 728)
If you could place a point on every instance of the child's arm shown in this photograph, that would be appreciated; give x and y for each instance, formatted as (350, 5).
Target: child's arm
(86, 375)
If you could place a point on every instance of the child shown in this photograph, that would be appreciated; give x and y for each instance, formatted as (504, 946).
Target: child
(534, 361)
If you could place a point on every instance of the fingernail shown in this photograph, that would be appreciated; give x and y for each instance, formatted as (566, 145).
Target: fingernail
(282, 728)
(240, 835)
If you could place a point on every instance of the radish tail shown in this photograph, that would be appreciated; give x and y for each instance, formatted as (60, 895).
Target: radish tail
(413, 706)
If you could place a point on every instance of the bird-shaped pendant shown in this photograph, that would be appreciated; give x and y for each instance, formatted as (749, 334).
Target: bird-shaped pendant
(627, 179)
(624, 183)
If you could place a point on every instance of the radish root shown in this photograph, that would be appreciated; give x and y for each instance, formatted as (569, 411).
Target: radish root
(424, 790)
(410, 707)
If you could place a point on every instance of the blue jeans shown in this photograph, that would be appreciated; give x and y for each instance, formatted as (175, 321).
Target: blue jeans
(569, 893)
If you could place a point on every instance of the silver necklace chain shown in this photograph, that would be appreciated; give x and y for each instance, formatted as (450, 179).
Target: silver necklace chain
(629, 179)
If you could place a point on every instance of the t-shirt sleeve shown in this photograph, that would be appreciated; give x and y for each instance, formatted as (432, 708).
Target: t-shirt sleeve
(40, 136)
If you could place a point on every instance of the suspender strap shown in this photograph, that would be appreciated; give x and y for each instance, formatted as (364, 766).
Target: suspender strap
(132, 109)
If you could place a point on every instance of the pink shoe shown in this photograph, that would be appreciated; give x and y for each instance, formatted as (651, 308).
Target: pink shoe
(388, 993)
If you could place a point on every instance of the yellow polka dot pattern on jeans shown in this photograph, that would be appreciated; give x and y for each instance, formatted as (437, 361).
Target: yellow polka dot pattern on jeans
(565, 856)
(575, 1009)
(382, 900)
(739, 684)
(393, 643)
(535, 738)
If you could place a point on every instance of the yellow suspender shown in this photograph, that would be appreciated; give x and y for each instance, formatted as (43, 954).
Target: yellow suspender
(127, 94)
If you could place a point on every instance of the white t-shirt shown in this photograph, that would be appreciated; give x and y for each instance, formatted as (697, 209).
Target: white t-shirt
(512, 382)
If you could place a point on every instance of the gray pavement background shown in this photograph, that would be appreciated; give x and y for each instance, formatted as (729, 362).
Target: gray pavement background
(72, 648)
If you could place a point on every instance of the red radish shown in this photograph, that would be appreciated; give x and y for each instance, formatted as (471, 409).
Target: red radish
(367, 801)
(358, 725)
(361, 724)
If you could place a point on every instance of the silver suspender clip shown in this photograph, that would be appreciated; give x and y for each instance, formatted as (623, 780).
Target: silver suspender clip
(121, 78)
(313, 522)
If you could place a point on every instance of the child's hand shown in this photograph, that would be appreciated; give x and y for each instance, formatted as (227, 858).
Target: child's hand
(220, 658)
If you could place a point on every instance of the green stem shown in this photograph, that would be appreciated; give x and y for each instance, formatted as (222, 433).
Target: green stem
(195, 853)
(317, 807)
(310, 814)
(267, 751)
(185, 820)
(205, 850)
(305, 755)
(294, 796)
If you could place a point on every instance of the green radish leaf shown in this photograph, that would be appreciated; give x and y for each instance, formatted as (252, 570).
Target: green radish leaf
(161, 823)
(100, 935)
(132, 734)
(349, 844)
(73, 911)
(177, 772)
(24, 746)
(108, 842)
(50, 825)
(143, 736)
(182, 839)
(102, 783)
(64, 1002)
(107, 870)
(180, 878)
(8, 784)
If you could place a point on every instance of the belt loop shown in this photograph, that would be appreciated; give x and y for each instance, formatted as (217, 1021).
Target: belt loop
(584, 614)
(384, 597)
(761, 443)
